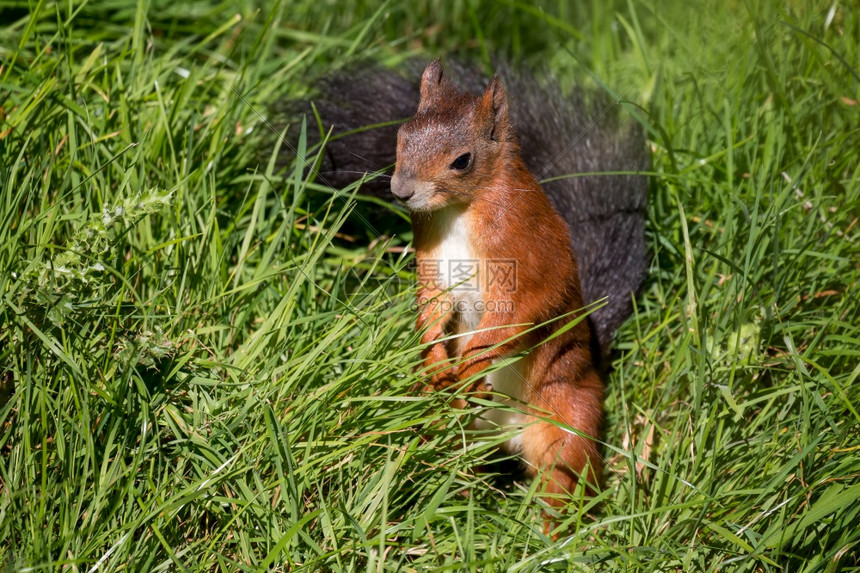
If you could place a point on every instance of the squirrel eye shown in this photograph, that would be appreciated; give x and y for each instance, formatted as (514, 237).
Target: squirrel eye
(463, 162)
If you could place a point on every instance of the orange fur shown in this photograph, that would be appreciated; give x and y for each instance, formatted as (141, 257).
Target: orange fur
(490, 211)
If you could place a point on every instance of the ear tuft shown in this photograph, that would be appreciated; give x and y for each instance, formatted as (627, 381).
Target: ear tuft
(433, 84)
(495, 103)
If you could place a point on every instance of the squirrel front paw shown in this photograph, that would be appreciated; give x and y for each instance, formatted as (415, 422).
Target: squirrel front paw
(434, 383)
(481, 389)
(442, 380)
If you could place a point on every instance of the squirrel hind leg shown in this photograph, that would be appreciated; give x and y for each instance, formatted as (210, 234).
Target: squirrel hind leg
(557, 456)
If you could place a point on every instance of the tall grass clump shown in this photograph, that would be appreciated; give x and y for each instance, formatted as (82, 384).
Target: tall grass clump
(206, 358)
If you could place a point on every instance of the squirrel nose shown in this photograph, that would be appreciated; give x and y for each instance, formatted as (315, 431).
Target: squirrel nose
(402, 188)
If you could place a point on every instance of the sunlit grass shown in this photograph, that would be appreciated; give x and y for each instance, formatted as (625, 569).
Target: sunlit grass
(206, 360)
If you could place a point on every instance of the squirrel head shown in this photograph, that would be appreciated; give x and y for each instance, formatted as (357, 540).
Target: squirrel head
(456, 145)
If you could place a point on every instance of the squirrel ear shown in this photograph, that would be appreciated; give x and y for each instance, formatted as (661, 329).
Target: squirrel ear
(433, 84)
(495, 103)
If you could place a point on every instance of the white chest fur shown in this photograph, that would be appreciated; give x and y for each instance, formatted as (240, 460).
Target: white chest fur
(455, 248)
(460, 271)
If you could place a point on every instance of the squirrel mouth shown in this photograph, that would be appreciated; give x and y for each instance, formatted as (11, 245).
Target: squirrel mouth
(414, 194)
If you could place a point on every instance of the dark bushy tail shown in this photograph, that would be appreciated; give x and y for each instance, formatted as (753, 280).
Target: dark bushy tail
(560, 135)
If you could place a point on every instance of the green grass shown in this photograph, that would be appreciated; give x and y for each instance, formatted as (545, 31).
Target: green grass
(199, 371)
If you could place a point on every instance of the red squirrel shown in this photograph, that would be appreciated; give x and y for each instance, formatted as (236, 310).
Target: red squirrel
(473, 200)
(467, 175)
